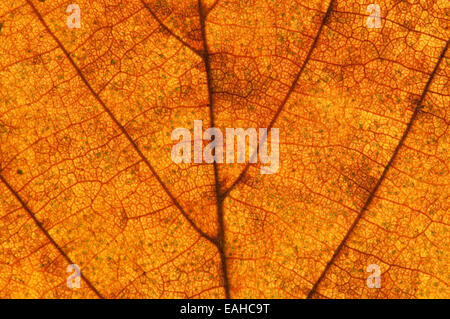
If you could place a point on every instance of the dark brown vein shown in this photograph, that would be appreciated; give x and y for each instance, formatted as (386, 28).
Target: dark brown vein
(122, 129)
(161, 23)
(383, 175)
(221, 231)
(288, 95)
(120, 126)
(46, 233)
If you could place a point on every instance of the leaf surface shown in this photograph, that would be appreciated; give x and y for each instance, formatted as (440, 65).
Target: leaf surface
(86, 117)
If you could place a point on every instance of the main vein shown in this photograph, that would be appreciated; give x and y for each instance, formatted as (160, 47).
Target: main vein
(219, 200)
(125, 133)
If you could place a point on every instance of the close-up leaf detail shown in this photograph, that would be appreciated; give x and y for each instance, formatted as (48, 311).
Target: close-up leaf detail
(87, 178)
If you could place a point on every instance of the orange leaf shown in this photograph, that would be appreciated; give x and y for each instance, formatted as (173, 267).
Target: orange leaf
(361, 101)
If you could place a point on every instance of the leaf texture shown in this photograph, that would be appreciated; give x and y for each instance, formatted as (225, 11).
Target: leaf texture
(86, 117)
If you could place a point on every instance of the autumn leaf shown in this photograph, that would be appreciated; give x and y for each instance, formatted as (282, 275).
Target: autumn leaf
(87, 179)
